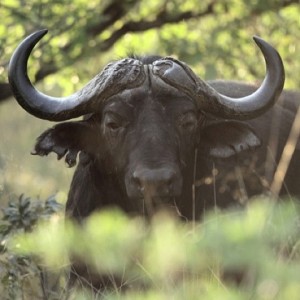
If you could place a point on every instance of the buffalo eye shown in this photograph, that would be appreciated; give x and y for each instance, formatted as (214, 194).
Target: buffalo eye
(113, 122)
(188, 121)
(112, 125)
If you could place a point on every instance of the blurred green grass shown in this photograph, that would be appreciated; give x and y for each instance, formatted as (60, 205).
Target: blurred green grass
(248, 254)
(21, 172)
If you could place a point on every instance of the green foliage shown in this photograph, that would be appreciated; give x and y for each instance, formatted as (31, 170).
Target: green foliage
(213, 36)
(21, 275)
(252, 253)
(23, 215)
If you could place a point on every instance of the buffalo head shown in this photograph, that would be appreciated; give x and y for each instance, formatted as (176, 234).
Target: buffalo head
(144, 118)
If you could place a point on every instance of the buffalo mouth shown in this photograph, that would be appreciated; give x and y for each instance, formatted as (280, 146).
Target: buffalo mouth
(152, 205)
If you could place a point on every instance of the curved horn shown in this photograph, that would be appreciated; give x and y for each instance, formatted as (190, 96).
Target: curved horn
(115, 77)
(210, 101)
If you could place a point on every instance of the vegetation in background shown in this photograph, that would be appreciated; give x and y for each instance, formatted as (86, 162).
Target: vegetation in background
(249, 254)
(214, 37)
(21, 172)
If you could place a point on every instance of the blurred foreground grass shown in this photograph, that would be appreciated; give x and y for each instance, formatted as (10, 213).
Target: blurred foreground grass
(245, 254)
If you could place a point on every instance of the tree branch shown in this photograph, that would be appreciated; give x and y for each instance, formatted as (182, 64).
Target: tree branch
(5, 91)
(113, 12)
(161, 19)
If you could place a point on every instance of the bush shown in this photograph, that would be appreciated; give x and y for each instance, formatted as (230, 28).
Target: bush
(22, 276)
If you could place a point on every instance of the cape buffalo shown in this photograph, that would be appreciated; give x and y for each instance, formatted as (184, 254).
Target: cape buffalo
(154, 134)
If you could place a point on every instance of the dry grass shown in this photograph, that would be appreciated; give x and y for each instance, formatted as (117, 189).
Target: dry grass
(20, 172)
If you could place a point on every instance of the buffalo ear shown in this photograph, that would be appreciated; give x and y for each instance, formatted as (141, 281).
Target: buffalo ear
(67, 139)
(224, 139)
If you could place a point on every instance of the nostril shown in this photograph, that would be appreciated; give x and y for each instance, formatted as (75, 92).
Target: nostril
(170, 179)
(165, 189)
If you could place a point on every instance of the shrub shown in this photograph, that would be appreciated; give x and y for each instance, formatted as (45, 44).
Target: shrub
(21, 275)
